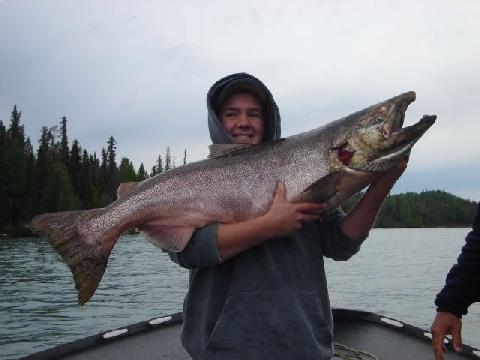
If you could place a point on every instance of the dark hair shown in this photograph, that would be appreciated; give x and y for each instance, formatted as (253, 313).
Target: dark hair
(239, 87)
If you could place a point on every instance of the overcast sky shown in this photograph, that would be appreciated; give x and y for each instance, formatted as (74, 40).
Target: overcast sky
(140, 71)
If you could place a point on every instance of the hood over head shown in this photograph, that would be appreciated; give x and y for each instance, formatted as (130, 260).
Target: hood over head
(238, 83)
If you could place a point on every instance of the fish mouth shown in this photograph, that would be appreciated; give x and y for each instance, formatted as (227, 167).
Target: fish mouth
(397, 107)
(398, 145)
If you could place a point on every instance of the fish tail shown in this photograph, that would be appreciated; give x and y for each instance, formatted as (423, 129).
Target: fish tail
(86, 257)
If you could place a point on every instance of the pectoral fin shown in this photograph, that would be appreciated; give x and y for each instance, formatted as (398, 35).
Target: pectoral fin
(337, 187)
(321, 190)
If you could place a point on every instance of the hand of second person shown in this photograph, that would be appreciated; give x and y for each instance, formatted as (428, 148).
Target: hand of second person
(285, 217)
(446, 324)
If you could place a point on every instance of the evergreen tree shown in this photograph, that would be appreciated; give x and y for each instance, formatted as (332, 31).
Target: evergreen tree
(29, 173)
(168, 159)
(60, 193)
(103, 180)
(184, 156)
(64, 150)
(127, 171)
(16, 131)
(3, 134)
(109, 173)
(158, 167)
(41, 171)
(75, 166)
(95, 180)
(13, 179)
(113, 174)
(85, 186)
(3, 165)
(103, 166)
(3, 140)
(13, 185)
(53, 145)
(142, 174)
(111, 154)
(28, 147)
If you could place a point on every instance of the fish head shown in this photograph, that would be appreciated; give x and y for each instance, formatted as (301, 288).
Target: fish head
(373, 139)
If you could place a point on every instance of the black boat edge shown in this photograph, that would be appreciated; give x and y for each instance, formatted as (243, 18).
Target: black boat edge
(410, 342)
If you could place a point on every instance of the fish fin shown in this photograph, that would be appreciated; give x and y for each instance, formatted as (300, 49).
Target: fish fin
(125, 188)
(171, 238)
(219, 150)
(335, 188)
(86, 259)
(321, 190)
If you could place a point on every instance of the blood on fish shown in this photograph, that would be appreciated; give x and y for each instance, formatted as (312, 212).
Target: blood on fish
(345, 156)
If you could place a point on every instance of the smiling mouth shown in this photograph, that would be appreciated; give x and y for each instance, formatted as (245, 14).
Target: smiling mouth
(243, 136)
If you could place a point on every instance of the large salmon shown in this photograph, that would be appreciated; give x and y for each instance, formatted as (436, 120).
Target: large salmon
(328, 164)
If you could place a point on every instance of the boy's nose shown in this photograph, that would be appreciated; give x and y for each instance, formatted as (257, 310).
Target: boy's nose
(243, 120)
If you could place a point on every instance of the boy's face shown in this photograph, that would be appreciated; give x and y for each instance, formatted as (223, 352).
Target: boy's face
(241, 116)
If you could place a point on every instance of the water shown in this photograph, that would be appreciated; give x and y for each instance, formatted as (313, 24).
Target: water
(38, 306)
(397, 273)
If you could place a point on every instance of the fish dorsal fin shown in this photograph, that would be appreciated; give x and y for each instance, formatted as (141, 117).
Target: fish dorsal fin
(125, 188)
(219, 150)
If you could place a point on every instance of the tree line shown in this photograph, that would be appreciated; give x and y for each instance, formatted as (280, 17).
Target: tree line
(433, 208)
(59, 176)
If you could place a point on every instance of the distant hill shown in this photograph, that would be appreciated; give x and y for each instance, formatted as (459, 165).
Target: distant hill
(426, 209)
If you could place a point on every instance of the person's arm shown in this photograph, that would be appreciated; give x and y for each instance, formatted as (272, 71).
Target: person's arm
(359, 221)
(342, 235)
(461, 286)
(283, 218)
(460, 291)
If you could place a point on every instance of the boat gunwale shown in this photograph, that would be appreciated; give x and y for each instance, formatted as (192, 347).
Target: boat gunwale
(118, 334)
(89, 342)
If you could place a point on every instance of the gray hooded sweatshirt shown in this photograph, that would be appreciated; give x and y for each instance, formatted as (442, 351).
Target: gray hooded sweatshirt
(270, 301)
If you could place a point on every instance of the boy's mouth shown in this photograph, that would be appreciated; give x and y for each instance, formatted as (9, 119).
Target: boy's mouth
(243, 136)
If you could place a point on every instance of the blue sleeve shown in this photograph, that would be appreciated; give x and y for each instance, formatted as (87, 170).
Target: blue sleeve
(462, 286)
(335, 244)
(201, 250)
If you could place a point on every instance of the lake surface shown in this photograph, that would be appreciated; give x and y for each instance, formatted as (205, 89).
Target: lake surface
(396, 273)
